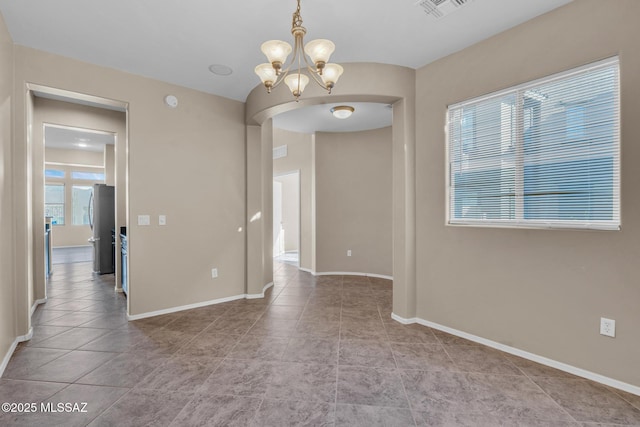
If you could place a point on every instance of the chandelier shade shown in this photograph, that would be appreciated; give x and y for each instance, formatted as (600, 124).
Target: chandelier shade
(309, 62)
(296, 83)
(331, 74)
(276, 51)
(267, 74)
(319, 51)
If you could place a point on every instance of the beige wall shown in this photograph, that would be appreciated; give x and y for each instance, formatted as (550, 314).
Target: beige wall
(109, 155)
(54, 112)
(187, 163)
(353, 202)
(542, 291)
(7, 288)
(71, 157)
(299, 158)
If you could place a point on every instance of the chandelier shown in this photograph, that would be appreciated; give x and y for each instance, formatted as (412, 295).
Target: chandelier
(314, 54)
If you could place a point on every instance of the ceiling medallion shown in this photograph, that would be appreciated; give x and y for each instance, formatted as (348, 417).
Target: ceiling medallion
(315, 55)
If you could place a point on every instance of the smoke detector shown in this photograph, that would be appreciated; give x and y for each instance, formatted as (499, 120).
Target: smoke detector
(440, 8)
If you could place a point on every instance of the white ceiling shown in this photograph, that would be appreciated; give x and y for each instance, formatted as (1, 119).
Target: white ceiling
(69, 138)
(367, 115)
(176, 41)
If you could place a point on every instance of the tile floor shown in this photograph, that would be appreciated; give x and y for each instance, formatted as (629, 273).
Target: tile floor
(71, 255)
(315, 351)
(291, 258)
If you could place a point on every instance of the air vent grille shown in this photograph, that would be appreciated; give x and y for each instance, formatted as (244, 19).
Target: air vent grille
(440, 8)
(279, 152)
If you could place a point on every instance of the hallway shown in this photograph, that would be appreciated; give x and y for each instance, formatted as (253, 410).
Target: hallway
(315, 351)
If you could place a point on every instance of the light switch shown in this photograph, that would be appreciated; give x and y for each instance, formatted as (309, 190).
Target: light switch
(144, 220)
(162, 220)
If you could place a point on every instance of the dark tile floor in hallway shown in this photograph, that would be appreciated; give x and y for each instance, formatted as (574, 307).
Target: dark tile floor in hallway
(315, 351)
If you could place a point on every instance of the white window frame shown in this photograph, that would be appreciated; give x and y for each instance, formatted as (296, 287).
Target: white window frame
(612, 225)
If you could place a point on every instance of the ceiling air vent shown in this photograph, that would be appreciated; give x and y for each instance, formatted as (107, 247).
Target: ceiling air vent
(440, 8)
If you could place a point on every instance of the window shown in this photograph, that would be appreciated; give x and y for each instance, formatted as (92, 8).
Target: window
(53, 173)
(54, 203)
(88, 176)
(80, 197)
(543, 154)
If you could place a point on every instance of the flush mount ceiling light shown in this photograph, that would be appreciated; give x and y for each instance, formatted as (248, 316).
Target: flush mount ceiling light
(342, 111)
(316, 65)
(81, 142)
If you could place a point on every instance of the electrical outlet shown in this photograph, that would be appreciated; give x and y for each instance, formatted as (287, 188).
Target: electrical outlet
(349, 252)
(214, 273)
(607, 327)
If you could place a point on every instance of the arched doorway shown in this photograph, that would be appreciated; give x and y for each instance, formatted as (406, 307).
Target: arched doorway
(361, 83)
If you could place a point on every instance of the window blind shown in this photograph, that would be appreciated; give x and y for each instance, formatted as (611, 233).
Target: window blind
(542, 154)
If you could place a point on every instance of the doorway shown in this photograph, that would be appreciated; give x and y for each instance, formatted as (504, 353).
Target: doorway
(286, 218)
(77, 143)
(75, 160)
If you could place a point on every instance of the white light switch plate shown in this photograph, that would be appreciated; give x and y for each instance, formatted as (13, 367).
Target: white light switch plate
(144, 220)
(162, 220)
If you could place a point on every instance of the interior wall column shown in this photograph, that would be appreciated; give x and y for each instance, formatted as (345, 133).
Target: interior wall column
(254, 211)
(313, 203)
(37, 204)
(259, 207)
(404, 212)
(267, 201)
(22, 199)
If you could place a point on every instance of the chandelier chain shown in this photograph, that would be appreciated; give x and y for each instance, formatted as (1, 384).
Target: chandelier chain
(297, 18)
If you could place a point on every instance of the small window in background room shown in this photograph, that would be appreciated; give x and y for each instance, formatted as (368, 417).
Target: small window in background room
(53, 173)
(88, 176)
(54, 203)
(544, 154)
(80, 198)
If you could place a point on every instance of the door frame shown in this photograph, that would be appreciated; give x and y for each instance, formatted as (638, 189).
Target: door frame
(35, 289)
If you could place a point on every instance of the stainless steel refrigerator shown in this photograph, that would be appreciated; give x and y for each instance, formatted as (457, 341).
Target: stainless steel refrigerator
(102, 221)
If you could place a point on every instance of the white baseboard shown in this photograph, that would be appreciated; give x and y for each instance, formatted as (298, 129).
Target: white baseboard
(35, 305)
(350, 273)
(199, 304)
(256, 296)
(71, 247)
(343, 273)
(12, 348)
(629, 388)
(23, 338)
(184, 307)
(405, 321)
